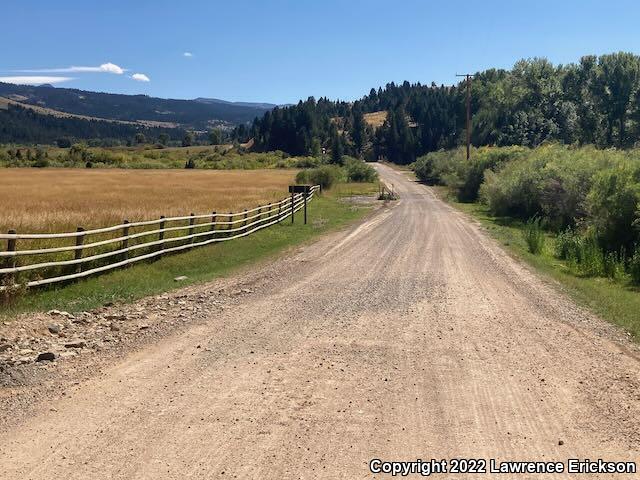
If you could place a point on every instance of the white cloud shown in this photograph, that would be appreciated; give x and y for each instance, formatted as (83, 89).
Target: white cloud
(140, 77)
(34, 80)
(104, 68)
(187, 54)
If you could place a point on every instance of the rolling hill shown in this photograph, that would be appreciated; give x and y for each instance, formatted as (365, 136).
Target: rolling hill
(199, 114)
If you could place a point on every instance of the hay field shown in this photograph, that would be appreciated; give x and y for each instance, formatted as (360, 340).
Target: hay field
(56, 200)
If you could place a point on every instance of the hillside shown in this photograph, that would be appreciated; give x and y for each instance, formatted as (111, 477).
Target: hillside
(593, 101)
(27, 125)
(192, 114)
(217, 101)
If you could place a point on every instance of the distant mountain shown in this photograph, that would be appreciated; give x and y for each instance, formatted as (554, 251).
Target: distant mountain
(261, 106)
(188, 114)
(37, 125)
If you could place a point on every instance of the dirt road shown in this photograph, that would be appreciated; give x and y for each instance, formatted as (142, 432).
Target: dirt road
(410, 336)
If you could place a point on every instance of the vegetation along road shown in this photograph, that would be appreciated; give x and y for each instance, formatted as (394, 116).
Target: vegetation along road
(412, 335)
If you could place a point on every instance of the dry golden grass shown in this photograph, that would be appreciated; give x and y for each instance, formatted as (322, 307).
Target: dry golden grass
(375, 119)
(57, 200)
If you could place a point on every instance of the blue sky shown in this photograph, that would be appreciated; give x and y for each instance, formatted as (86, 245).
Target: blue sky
(281, 51)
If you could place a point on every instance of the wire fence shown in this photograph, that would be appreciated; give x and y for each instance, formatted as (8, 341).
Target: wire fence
(47, 261)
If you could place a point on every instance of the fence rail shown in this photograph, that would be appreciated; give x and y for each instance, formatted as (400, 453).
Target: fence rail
(219, 227)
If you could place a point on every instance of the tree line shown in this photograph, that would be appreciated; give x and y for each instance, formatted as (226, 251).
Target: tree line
(594, 101)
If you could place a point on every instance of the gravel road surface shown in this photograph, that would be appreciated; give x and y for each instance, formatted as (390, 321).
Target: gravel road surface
(411, 335)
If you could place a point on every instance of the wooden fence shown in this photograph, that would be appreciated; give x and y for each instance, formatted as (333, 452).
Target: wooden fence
(103, 249)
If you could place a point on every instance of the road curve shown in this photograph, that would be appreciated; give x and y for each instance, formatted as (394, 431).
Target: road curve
(410, 336)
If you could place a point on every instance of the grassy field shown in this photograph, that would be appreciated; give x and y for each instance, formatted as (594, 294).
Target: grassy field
(56, 200)
(375, 119)
(616, 301)
(327, 212)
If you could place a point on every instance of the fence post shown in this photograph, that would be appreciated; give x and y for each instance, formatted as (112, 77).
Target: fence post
(161, 234)
(231, 215)
(305, 207)
(245, 219)
(213, 224)
(260, 216)
(11, 261)
(125, 242)
(292, 205)
(191, 227)
(279, 212)
(78, 252)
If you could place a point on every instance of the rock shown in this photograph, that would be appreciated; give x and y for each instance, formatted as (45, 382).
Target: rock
(560, 442)
(180, 278)
(46, 356)
(68, 354)
(4, 347)
(54, 328)
(58, 313)
(143, 326)
(114, 328)
(77, 343)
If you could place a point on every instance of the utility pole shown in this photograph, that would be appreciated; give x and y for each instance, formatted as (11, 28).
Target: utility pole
(468, 76)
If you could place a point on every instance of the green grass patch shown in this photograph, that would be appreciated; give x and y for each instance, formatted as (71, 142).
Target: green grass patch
(615, 300)
(326, 212)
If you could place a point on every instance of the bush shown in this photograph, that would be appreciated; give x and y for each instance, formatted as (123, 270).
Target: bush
(41, 162)
(634, 266)
(614, 265)
(568, 245)
(325, 176)
(307, 162)
(358, 171)
(591, 257)
(534, 236)
(613, 205)
(434, 166)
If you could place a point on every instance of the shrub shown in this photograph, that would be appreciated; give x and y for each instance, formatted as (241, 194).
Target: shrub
(41, 162)
(613, 265)
(551, 181)
(325, 176)
(434, 166)
(359, 171)
(534, 236)
(591, 257)
(190, 163)
(634, 266)
(568, 245)
(613, 205)
(307, 162)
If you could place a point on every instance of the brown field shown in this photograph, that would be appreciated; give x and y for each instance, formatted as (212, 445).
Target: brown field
(375, 119)
(56, 200)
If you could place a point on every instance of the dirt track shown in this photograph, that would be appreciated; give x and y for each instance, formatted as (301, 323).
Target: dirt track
(410, 336)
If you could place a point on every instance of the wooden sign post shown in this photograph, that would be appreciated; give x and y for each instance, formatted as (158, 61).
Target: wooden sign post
(305, 190)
